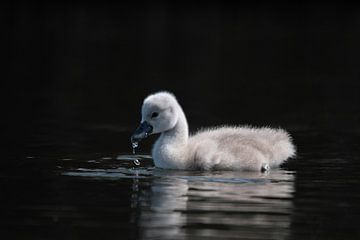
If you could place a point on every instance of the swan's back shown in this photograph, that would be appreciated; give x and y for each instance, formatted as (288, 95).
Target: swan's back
(241, 147)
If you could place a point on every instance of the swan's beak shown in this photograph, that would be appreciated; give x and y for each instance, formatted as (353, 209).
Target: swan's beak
(141, 132)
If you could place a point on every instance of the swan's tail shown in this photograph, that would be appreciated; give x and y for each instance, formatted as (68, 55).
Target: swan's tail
(282, 150)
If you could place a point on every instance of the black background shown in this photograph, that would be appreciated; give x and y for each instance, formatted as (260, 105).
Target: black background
(76, 73)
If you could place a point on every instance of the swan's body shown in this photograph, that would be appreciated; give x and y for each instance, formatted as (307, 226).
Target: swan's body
(231, 148)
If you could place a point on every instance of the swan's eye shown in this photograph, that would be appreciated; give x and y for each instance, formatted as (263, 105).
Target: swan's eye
(154, 114)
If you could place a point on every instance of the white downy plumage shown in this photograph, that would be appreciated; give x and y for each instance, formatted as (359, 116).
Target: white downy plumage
(220, 148)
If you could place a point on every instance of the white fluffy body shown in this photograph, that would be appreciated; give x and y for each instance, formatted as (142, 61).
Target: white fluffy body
(220, 148)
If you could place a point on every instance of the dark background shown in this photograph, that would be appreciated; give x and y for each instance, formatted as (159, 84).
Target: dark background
(75, 74)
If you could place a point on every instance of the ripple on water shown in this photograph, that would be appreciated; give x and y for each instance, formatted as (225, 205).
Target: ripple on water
(197, 203)
(123, 166)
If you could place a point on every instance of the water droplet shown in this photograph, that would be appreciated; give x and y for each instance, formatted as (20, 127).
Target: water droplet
(137, 162)
(134, 145)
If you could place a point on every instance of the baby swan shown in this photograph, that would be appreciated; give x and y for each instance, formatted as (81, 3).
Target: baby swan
(221, 148)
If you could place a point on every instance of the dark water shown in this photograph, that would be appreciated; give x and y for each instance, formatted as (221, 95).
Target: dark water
(105, 195)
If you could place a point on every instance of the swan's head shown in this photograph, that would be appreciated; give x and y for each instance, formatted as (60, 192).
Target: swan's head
(159, 113)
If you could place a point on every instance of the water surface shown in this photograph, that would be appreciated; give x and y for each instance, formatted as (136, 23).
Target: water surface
(109, 196)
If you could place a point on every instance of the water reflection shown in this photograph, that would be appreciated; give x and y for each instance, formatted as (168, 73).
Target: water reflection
(162, 213)
(96, 196)
(167, 204)
(217, 204)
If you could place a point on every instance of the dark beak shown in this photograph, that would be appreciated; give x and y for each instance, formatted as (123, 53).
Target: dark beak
(141, 132)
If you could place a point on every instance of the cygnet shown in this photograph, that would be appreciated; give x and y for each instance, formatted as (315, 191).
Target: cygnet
(219, 148)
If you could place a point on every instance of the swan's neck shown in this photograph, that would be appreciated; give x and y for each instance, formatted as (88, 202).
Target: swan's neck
(177, 136)
(170, 150)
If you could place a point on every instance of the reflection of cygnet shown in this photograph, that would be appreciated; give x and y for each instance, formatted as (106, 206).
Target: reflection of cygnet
(162, 214)
(232, 148)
